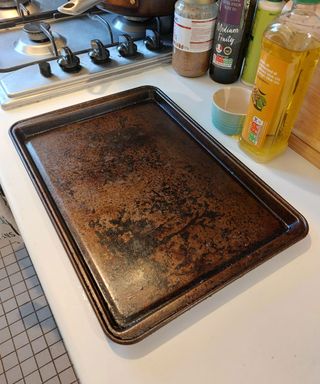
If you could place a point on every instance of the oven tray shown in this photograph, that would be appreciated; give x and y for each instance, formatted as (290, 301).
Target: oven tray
(154, 213)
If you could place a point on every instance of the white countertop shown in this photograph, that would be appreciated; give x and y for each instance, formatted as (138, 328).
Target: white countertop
(263, 328)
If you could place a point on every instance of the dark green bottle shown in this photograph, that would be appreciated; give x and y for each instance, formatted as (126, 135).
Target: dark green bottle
(231, 39)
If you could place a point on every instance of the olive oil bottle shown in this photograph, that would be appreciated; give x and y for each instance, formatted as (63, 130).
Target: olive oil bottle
(290, 52)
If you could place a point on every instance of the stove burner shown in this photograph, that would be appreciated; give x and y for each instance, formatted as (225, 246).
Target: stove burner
(12, 3)
(38, 39)
(134, 26)
(37, 31)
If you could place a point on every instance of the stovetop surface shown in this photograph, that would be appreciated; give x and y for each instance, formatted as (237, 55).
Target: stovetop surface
(47, 54)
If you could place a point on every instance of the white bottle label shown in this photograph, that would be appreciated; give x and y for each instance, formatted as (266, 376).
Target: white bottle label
(193, 35)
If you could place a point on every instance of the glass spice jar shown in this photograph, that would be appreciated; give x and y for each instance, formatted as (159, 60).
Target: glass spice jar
(194, 22)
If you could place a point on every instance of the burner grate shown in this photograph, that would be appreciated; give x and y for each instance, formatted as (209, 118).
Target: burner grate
(4, 4)
(18, 11)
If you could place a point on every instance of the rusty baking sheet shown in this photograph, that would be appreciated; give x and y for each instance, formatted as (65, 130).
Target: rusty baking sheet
(154, 213)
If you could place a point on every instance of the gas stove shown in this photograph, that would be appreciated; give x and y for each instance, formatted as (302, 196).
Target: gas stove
(45, 53)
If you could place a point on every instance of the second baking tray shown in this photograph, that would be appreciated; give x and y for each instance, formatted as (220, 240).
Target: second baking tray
(154, 213)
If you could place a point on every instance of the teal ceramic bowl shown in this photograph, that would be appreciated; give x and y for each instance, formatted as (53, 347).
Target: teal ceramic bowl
(229, 109)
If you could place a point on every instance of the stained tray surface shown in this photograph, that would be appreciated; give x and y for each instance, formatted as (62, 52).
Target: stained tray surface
(151, 213)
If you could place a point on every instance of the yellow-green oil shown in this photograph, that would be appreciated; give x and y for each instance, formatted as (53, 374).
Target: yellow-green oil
(302, 65)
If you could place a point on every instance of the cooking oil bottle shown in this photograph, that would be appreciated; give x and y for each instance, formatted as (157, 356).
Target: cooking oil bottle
(266, 12)
(290, 52)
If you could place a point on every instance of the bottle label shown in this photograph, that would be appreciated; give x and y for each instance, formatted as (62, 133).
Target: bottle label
(229, 31)
(265, 99)
(193, 35)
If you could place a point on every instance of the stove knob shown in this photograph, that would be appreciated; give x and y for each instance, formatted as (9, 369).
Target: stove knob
(45, 69)
(98, 54)
(68, 61)
(127, 47)
(152, 40)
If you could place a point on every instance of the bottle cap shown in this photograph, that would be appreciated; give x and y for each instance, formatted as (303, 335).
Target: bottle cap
(307, 1)
(200, 2)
